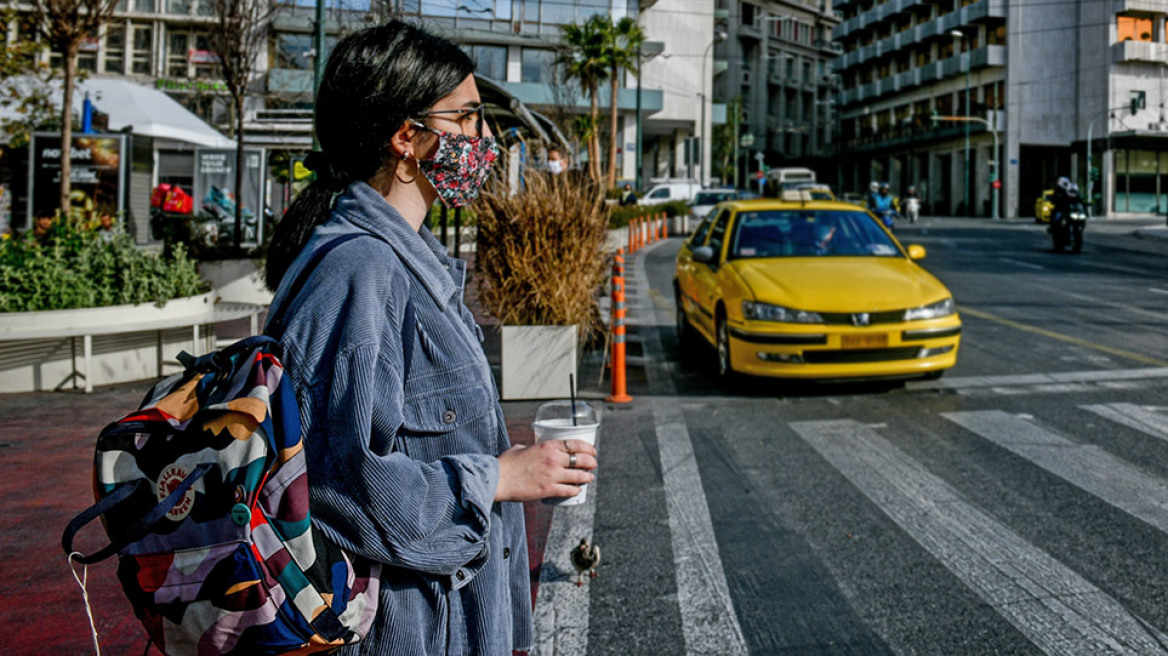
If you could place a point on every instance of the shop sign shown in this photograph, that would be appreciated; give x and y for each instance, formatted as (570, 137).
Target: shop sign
(215, 193)
(190, 85)
(98, 173)
(203, 57)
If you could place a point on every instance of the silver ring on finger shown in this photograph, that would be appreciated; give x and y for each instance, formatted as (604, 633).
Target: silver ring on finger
(571, 461)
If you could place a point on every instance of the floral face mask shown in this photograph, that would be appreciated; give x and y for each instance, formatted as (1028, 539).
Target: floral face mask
(460, 166)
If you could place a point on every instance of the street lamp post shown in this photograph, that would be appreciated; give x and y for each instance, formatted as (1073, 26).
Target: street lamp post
(993, 130)
(1090, 163)
(719, 37)
(958, 34)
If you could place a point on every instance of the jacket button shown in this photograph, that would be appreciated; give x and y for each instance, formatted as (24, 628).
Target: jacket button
(449, 416)
(506, 552)
(460, 575)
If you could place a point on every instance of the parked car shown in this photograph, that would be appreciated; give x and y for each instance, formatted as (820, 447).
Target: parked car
(706, 199)
(817, 190)
(812, 289)
(1043, 207)
(854, 198)
(670, 191)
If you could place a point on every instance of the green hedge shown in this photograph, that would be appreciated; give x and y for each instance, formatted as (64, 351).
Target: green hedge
(76, 268)
(621, 215)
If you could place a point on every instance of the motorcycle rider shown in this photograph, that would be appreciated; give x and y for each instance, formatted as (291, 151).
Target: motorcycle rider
(883, 204)
(1065, 194)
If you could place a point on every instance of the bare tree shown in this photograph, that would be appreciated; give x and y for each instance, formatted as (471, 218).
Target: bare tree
(65, 25)
(239, 36)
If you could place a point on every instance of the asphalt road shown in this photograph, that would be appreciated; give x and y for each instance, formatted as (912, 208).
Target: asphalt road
(1017, 506)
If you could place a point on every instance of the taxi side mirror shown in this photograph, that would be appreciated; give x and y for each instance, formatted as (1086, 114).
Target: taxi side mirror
(703, 254)
(916, 252)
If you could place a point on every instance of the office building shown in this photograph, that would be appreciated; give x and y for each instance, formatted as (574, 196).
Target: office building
(1054, 80)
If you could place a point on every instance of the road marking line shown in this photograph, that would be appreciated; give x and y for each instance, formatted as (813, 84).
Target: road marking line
(1095, 376)
(708, 619)
(1130, 355)
(1022, 264)
(1133, 416)
(1085, 466)
(1157, 290)
(561, 609)
(1053, 606)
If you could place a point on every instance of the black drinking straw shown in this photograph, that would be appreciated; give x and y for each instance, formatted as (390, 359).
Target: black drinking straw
(572, 391)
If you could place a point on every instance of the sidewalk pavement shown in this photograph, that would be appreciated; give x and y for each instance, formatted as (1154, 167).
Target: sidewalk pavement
(46, 454)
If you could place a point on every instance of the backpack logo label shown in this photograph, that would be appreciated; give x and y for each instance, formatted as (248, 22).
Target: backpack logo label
(168, 481)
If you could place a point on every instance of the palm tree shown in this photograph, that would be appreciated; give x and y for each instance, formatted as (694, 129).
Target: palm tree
(625, 39)
(582, 57)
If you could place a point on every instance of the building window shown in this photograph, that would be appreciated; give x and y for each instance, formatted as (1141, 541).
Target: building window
(537, 65)
(115, 49)
(1136, 178)
(292, 51)
(997, 36)
(557, 12)
(142, 55)
(490, 61)
(178, 7)
(176, 54)
(1133, 28)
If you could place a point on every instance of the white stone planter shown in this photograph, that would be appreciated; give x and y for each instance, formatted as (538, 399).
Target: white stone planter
(237, 281)
(54, 349)
(537, 361)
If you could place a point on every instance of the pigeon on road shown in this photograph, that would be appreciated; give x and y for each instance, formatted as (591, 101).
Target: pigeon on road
(585, 558)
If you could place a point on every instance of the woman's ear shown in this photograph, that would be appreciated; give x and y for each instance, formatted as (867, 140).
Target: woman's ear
(402, 141)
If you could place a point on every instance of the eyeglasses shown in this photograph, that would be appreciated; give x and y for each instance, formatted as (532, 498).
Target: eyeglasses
(463, 117)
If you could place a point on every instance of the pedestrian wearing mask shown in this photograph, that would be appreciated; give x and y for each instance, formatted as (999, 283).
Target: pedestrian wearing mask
(410, 464)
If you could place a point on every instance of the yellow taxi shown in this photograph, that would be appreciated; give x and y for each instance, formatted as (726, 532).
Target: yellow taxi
(811, 289)
(1043, 207)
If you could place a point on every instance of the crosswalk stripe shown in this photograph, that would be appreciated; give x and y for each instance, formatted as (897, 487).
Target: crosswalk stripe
(1055, 608)
(708, 619)
(1133, 416)
(561, 612)
(1086, 466)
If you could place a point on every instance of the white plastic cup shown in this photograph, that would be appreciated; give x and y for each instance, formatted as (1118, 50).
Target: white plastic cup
(554, 421)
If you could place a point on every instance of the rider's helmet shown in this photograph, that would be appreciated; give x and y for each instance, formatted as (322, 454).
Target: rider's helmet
(912, 189)
(874, 186)
(884, 186)
(1064, 183)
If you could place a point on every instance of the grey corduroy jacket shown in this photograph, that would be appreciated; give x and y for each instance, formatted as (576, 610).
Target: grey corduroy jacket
(406, 474)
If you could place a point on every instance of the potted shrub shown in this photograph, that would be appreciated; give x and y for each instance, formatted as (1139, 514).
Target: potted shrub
(540, 260)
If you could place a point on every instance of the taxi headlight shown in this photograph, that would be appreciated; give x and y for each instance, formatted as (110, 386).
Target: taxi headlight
(767, 312)
(934, 311)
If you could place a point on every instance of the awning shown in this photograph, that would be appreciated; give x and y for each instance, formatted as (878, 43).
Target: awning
(148, 112)
(143, 110)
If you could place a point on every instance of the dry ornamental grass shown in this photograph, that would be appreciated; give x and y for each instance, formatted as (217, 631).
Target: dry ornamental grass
(540, 251)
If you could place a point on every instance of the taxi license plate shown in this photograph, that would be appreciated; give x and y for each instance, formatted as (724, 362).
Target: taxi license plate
(879, 340)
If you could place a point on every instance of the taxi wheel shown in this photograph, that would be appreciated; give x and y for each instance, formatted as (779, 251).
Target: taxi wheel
(934, 375)
(725, 368)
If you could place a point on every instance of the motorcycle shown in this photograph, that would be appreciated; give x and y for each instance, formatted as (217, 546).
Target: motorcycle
(888, 218)
(912, 209)
(1066, 229)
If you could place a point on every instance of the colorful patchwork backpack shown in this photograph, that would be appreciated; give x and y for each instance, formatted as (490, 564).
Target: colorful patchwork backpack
(204, 497)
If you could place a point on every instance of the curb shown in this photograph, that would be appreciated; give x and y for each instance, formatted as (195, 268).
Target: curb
(1152, 234)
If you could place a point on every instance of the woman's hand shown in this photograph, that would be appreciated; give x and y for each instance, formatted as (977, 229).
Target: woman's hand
(545, 470)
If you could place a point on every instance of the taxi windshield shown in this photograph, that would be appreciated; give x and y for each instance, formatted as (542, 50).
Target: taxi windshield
(809, 233)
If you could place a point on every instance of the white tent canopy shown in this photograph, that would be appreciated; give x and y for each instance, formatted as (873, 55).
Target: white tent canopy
(145, 111)
(148, 112)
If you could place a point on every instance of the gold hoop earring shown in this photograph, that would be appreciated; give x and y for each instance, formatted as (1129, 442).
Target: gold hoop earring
(397, 170)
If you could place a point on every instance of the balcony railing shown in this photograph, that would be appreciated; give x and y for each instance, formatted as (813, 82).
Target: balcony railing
(1141, 6)
(955, 66)
(952, 20)
(1139, 51)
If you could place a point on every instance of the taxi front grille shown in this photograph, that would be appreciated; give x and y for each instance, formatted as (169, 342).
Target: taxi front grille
(851, 356)
(874, 318)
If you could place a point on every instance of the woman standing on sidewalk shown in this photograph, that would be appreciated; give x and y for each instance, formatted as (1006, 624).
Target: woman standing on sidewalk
(409, 461)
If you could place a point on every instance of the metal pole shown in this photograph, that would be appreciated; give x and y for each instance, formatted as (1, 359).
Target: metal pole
(639, 177)
(736, 110)
(318, 59)
(968, 209)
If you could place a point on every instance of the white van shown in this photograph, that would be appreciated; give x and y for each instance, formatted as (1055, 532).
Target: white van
(670, 191)
(787, 178)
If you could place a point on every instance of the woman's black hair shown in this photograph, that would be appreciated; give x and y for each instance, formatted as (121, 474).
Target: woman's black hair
(374, 81)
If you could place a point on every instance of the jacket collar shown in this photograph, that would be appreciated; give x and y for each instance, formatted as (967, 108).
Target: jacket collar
(440, 275)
